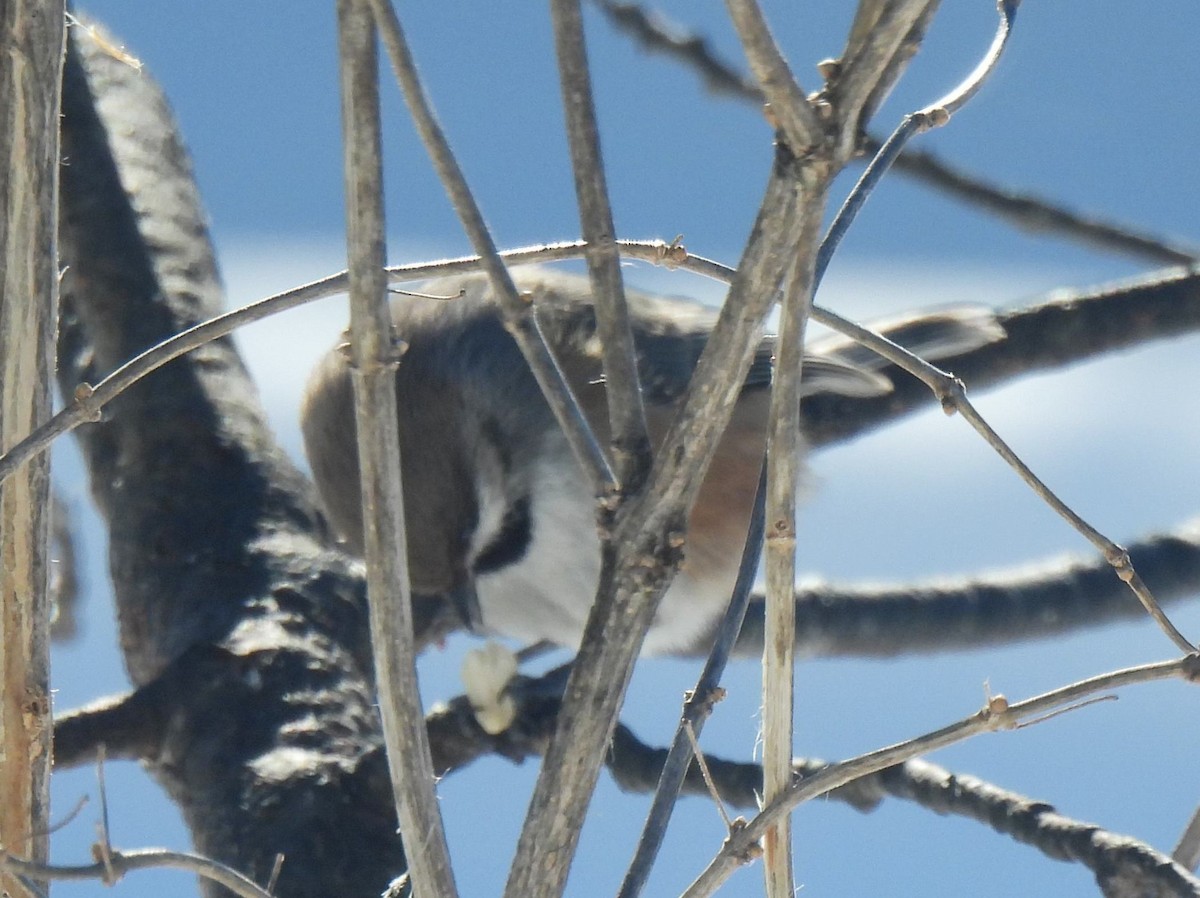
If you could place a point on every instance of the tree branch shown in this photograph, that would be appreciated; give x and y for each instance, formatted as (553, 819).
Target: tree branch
(216, 548)
(31, 35)
(630, 439)
(997, 715)
(374, 357)
(1022, 209)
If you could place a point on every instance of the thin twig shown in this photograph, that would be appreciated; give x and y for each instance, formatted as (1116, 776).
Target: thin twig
(1030, 212)
(951, 393)
(123, 862)
(955, 398)
(87, 403)
(276, 869)
(89, 400)
(948, 389)
(636, 767)
(519, 317)
(698, 705)
(702, 763)
(103, 847)
(789, 106)
(934, 115)
(654, 33)
(80, 803)
(1022, 209)
(630, 441)
(871, 65)
(995, 716)
(784, 462)
(374, 359)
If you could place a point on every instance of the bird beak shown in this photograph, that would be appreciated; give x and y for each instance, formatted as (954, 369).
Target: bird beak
(466, 602)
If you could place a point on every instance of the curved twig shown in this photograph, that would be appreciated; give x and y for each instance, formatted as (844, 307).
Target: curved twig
(997, 715)
(121, 862)
(1022, 209)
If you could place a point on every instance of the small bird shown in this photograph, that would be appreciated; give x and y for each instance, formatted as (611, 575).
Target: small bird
(498, 510)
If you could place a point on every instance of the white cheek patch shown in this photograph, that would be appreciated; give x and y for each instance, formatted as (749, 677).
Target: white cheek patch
(548, 592)
(492, 506)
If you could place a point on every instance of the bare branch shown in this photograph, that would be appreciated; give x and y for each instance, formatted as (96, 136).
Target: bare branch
(374, 358)
(998, 715)
(789, 106)
(871, 64)
(647, 543)
(655, 33)
(1157, 305)
(32, 33)
(934, 115)
(698, 703)
(630, 440)
(1030, 212)
(784, 463)
(635, 767)
(519, 316)
(1022, 209)
(123, 862)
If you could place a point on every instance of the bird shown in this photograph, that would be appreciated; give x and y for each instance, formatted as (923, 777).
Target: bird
(500, 517)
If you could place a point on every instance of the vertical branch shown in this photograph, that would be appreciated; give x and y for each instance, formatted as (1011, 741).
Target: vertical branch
(30, 78)
(374, 359)
(647, 544)
(784, 460)
(630, 442)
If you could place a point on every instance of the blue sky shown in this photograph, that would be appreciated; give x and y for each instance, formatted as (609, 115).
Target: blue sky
(1092, 105)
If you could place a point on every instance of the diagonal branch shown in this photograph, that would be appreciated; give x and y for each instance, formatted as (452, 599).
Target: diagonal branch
(519, 317)
(648, 541)
(871, 64)
(789, 106)
(1022, 209)
(630, 440)
(999, 714)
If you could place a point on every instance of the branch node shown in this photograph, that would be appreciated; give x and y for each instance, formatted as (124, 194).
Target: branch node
(672, 255)
(1118, 558)
(752, 852)
(84, 396)
(704, 701)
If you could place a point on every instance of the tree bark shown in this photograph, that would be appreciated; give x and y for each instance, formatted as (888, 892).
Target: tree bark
(31, 37)
(241, 623)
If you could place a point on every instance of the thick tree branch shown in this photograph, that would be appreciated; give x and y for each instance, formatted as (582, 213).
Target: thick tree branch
(217, 551)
